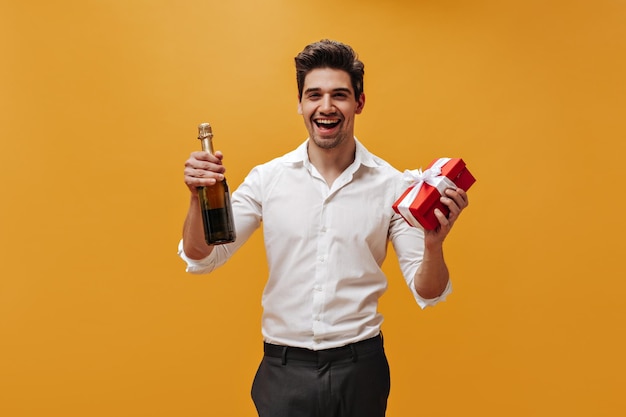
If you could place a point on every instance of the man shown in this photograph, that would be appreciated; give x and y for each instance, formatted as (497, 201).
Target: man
(326, 210)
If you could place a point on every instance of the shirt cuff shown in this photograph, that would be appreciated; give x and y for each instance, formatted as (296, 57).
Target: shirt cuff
(424, 302)
(196, 266)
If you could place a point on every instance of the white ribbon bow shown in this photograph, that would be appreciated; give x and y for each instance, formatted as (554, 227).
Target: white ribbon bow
(416, 178)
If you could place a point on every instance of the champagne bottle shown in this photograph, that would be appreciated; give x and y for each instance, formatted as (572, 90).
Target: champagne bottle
(217, 212)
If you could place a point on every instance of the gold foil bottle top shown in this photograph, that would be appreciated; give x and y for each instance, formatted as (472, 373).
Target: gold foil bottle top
(205, 134)
(205, 131)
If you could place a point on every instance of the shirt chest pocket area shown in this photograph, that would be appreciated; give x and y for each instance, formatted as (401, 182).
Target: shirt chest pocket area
(360, 219)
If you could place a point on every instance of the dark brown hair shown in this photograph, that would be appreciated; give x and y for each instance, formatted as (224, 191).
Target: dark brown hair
(330, 54)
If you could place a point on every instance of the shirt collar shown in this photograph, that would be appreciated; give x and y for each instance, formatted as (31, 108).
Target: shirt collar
(362, 155)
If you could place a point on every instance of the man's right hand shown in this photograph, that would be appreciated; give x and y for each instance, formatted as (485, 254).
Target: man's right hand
(203, 170)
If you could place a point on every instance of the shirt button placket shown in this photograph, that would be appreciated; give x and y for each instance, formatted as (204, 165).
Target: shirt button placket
(321, 275)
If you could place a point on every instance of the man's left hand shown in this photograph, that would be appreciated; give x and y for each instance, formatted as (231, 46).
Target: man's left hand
(456, 201)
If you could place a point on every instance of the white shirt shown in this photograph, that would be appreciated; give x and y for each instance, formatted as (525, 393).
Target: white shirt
(324, 246)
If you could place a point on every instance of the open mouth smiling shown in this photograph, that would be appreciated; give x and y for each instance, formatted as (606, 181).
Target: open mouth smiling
(326, 123)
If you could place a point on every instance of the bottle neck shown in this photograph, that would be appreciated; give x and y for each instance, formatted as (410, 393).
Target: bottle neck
(207, 145)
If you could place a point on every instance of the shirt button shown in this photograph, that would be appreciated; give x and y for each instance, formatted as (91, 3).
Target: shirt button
(321, 259)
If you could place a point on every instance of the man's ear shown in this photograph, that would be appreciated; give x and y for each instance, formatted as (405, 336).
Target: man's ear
(360, 104)
(299, 105)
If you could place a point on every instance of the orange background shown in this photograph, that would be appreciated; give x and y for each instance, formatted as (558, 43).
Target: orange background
(99, 105)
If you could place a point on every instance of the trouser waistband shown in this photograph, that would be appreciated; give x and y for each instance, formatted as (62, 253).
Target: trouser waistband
(351, 351)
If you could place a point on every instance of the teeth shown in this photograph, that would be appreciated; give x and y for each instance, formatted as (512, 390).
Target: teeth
(326, 121)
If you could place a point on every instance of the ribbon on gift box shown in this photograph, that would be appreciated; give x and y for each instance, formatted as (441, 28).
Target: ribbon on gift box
(416, 178)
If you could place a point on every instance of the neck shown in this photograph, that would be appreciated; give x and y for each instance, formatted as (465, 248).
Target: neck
(330, 163)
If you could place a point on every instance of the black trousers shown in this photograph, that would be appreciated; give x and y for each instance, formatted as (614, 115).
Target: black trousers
(351, 381)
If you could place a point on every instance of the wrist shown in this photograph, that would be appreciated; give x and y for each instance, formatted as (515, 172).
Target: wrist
(433, 247)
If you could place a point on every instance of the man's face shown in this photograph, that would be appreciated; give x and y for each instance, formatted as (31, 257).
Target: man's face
(328, 107)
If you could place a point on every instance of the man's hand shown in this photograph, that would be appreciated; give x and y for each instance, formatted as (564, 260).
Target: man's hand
(456, 201)
(203, 170)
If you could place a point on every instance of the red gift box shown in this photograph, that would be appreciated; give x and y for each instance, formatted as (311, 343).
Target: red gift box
(418, 203)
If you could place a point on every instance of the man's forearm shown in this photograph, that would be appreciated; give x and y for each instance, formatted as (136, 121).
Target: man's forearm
(432, 276)
(194, 245)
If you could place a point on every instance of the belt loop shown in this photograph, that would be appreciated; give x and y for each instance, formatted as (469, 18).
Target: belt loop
(355, 357)
(284, 355)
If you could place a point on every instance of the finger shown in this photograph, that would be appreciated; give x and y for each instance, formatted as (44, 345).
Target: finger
(206, 166)
(204, 173)
(453, 207)
(454, 213)
(216, 174)
(192, 181)
(452, 202)
(444, 221)
(202, 156)
(195, 164)
(459, 196)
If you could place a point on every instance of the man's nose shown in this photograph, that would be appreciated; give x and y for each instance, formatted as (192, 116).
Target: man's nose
(326, 106)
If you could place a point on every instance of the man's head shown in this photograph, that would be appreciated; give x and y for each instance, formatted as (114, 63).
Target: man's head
(330, 54)
(330, 93)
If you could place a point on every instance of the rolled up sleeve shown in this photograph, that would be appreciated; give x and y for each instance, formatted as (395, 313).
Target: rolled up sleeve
(196, 266)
